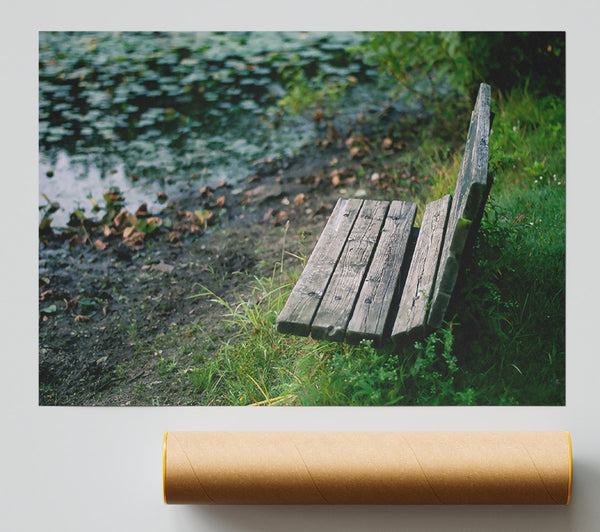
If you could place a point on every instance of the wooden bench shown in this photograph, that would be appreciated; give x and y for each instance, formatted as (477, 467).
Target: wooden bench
(374, 276)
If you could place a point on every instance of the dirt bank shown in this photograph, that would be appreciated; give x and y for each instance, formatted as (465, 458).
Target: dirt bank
(115, 308)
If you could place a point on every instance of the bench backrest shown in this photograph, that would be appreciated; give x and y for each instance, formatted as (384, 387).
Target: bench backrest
(468, 201)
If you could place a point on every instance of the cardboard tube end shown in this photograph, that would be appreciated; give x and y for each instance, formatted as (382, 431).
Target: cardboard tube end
(164, 467)
(570, 467)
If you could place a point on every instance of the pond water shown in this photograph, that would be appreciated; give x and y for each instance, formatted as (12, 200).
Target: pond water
(148, 112)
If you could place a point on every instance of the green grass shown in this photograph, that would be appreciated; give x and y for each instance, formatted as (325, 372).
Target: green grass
(504, 342)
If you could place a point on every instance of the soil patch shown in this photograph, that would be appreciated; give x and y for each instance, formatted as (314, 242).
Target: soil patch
(109, 306)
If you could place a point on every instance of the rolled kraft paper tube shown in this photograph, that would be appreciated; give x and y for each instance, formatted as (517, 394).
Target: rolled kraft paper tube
(367, 467)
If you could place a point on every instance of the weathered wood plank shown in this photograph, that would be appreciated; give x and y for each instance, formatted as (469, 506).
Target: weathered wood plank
(336, 306)
(372, 307)
(470, 195)
(414, 303)
(300, 308)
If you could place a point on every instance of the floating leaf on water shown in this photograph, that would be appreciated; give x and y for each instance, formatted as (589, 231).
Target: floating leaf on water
(249, 105)
(189, 61)
(173, 89)
(99, 99)
(194, 77)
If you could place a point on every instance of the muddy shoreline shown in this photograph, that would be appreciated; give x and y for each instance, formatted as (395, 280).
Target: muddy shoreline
(109, 308)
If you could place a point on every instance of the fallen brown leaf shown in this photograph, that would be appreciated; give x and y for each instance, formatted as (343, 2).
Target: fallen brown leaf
(128, 232)
(98, 244)
(135, 238)
(154, 220)
(300, 199)
(181, 227)
(124, 219)
(269, 215)
(142, 211)
(51, 294)
(282, 216)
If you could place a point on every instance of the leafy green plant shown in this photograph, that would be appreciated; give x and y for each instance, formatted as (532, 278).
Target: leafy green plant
(308, 94)
(444, 69)
(434, 368)
(360, 376)
(426, 63)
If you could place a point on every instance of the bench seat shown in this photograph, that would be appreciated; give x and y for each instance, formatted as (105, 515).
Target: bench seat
(373, 275)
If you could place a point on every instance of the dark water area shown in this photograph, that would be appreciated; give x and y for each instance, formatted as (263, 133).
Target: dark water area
(151, 113)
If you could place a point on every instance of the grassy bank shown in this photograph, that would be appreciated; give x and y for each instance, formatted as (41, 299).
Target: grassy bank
(504, 342)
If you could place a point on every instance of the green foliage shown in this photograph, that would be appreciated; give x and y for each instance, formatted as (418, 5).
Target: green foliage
(509, 60)
(425, 63)
(512, 309)
(258, 366)
(305, 93)
(359, 376)
(434, 369)
(527, 144)
(445, 68)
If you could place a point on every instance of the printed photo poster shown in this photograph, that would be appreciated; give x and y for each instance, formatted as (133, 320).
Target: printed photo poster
(302, 218)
